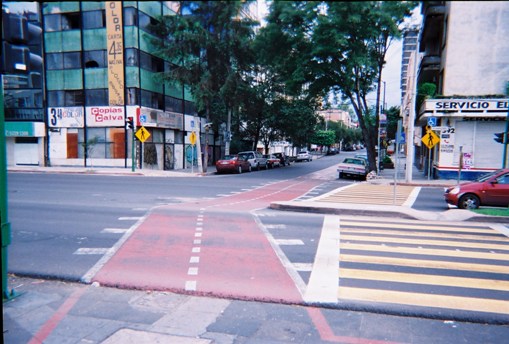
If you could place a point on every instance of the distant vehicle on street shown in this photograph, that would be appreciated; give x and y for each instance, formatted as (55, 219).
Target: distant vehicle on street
(491, 189)
(303, 155)
(233, 164)
(284, 160)
(353, 167)
(255, 158)
(272, 161)
(332, 151)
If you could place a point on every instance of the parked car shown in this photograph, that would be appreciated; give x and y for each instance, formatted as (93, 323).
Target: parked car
(284, 160)
(255, 158)
(353, 167)
(332, 151)
(491, 189)
(272, 161)
(303, 155)
(233, 164)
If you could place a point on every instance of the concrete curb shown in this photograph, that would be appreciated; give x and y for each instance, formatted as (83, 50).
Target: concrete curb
(387, 211)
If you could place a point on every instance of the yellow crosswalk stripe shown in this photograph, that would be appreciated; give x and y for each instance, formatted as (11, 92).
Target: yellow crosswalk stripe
(425, 300)
(436, 264)
(456, 244)
(376, 231)
(425, 251)
(372, 194)
(421, 227)
(415, 251)
(413, 278)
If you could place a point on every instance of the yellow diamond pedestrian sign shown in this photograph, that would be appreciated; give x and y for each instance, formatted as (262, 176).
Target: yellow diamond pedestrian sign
(430, 139)
(192, 138)
(142, 134)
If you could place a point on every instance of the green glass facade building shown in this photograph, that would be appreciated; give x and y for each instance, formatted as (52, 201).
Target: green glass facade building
(78, 125)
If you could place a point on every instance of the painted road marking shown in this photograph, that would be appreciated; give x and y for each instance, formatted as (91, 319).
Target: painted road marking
(303, 267)
(275, 226)
(86, 250)
(115, 230)
(190, 286)
(461, 267)
(325, 268)
(129, 218)
(362, 193)
(289, 242)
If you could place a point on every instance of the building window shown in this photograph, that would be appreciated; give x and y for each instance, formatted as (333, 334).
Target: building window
(151, 63)
(59, 61)
(131, 57)
(95, 59)
(173, 104)
(96, 97)
(189, 108)
(152, 100)
(65, 98)
(130, 16)
(62, 22)
(103, 143)
(72, 60)
(133, 96)
(94, 19)
(146, 23)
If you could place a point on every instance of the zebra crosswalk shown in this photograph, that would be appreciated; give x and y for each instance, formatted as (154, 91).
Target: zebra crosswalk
(449, 267)
(366, 193)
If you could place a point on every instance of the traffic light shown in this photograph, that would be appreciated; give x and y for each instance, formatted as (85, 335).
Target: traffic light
(130, 123)
(499, 137)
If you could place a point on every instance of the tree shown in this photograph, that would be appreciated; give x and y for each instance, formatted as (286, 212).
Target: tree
(208, 41)
(338, 46)
(392, 121)
(324, 138)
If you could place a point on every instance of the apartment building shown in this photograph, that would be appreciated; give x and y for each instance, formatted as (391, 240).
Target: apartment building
(464, 53)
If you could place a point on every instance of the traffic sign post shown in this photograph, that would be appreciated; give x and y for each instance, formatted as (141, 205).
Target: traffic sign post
(430, 140)
(192, 140)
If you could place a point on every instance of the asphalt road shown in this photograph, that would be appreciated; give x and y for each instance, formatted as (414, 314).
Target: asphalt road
(115, 229)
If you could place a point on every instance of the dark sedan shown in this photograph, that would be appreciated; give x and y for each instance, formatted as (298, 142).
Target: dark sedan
(233, 164)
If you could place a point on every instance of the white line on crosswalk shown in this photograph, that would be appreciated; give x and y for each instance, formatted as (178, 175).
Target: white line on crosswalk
(85, 250)
(323, 282)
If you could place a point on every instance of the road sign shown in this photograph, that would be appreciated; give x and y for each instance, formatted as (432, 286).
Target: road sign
(432, 121)
(192, 138)
(143, 118)
(142, 134)
(430, 139)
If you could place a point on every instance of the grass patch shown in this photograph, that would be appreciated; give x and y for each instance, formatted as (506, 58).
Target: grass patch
(493, 211)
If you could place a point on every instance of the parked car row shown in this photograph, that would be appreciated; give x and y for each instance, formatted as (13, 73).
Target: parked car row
(250, 161)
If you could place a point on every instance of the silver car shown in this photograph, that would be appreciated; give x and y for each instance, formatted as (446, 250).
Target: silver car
(303, 155)
(255, 158)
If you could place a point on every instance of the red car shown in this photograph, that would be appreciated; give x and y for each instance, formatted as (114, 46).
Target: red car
(491, 189)
(233, 163)
(272, 161)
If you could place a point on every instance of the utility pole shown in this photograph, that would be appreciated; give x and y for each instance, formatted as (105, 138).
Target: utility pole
(4, 219)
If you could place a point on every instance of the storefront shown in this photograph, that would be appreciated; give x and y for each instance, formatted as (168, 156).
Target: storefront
(466, 129)
(25, 143)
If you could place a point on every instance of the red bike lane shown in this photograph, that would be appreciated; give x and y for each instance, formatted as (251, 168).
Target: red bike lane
(214, 247)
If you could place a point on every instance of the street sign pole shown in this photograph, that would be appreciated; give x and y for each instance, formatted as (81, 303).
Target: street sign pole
(4, 219)
(133, 158)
